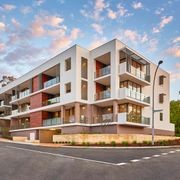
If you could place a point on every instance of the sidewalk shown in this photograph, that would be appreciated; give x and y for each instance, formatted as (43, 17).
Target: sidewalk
(33, 144)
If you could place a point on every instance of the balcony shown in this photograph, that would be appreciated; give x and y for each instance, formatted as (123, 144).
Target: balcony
(132, 119)
(129, 72)
(103, 95)
(14, 112)
(21, 126)
(103, 72)
(51, 82)
(24, 93)
(1, 103)
(52, 122)
(51, 101)
(14, 97)
(104, 118)
(133, 96)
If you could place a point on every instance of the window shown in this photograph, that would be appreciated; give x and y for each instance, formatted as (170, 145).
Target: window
(68, 87)
(161, 98)
(161, 80)
(68, 64)
(161, 116)
(84, 68)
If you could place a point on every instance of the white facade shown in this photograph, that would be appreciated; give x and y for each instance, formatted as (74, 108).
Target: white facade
(110, 77)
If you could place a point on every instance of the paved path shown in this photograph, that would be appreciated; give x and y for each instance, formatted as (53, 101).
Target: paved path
(19, 161)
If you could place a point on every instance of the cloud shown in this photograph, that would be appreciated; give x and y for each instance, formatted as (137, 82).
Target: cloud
(175, 76)
(96, 42)
(112, 14)
(15, 23)
(39, 26)
(26, 10)
(122, 11)
(39, 2)
(159, 11)
(176, 40)
(64, 41)
(8, 7)
(2, 47)
(2, 26)
(137, 5)
(98, 28)
(164, 21)
(98, 7)
(174, 51)
(177, 65)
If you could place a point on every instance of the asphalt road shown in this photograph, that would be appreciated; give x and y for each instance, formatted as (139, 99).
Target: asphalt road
(25, 162)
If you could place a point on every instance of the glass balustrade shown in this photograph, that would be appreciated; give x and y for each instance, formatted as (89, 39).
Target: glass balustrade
(104, 71)
(51, 82)
(52, 121)
(103, 95)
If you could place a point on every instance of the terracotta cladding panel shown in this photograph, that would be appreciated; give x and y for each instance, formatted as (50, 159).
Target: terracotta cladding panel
(99, 66)
(36, 119)
(35, 84)
(36, 101)
(99, 88)
(44, 78)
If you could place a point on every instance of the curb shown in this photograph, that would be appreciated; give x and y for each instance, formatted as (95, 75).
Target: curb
(141, 147)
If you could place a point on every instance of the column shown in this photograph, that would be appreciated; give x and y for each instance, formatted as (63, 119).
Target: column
(89, 113)
(62, 114)
(77, 112)
(115, 110)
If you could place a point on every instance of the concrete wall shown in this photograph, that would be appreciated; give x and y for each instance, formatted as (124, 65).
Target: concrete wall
(107, 138)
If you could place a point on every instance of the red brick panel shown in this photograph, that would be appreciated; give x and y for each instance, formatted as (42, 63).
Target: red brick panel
(37, 100)
(99, 66)
(14, 123)
(35, 84)
(44, 79)
(36, 118)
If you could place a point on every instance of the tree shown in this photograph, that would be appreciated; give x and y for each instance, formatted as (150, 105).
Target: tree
(175, 115)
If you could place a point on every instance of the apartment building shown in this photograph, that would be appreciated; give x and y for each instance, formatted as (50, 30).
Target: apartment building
(105, 90)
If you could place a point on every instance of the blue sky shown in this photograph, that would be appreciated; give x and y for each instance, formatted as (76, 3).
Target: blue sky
(31, 31)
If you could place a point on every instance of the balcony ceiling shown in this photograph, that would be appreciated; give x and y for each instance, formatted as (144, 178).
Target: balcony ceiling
(105, 59)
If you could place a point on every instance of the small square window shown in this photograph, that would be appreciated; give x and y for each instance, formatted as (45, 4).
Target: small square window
(161, 116)
(68, 64)
(68, 87)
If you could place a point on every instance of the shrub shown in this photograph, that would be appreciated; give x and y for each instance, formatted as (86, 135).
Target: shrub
(102, 143)
(72, 143)
(125, 143)
(113, 143)
(134, 142)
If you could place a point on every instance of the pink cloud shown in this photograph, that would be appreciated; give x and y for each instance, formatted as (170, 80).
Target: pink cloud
(112, 14)
(175, 76)
(178, 65)
(97, 27)
(174, 51)
(164, 21)
(2, 26)
(8, 7)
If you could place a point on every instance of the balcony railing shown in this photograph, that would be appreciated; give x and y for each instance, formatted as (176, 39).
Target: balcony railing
(15, 112)
(13, 98)
(51, 122)
(103, 72)
(24, 93)
(103, 95)
(1, 103)
(51, 101)
(126, 92)
(104, 118)
(124, 67)
(125, 118)
(24, 109)
(21, 126)
(51, 82)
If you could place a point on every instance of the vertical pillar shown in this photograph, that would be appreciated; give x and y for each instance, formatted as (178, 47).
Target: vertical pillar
(89, 113)
(62, 114)
(77, 112)
(115, 110)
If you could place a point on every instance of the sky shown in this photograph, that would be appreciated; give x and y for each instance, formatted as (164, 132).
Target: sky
(32, 31)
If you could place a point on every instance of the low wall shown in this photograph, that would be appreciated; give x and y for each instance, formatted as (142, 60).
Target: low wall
(108, 138)
(19, 138)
